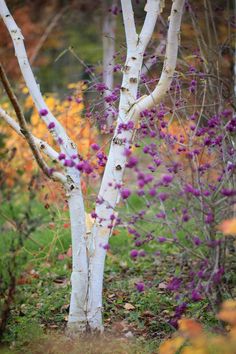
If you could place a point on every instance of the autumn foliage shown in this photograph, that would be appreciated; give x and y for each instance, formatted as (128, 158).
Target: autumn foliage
(192, 339)
(68, 110)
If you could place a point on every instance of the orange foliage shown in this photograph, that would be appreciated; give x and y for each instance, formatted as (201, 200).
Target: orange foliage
(191, 338)
(190, 142)
(68, 112)
(228, 227)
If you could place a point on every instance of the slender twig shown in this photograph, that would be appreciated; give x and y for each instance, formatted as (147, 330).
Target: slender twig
(23, 125)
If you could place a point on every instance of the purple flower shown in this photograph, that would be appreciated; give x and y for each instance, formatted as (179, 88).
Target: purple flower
(228, 192)
(93, 215)
(179, 310)
(51, 125)
(152, 192)
(140, 287)
(125, 193)
(69, 163)
(133, 254)
(161, 215)
(185, 218)
(100, 87)
(189, 189)
(61, 156)
(43, 112)
(142, 253)
(95, 147)
(195, 296)
(163, 196)
(157, 162)
(106, 246)
(117, 67)
(161, 239)
(209, 219)
(87, 168)
(197, 241)
(111, 98)
(166, 179)
(132, 161)
(138, 243)
(218, 275)
(79, 166)
(174, 284)
(146, 149)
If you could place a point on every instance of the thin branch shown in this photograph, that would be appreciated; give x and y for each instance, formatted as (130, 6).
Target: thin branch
(42, 145)
(159, 51)
(53, 22)
(24, 128)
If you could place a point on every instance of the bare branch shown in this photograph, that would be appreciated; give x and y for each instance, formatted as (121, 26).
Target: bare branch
(42, 145)
(173, 38)
(129, 24)
(24, 128)
(51, 24)
(159, 52)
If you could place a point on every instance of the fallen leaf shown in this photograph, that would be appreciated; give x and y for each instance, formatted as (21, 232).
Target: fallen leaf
(129, 334)
(162, 286)
(61, 257)
(129, 306)
(69, 252)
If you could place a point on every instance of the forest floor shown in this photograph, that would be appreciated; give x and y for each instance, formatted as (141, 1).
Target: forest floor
(137, 321)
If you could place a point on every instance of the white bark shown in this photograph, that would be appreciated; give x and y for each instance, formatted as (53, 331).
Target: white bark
(71, 182)
(108, 40)
(173, 39)
(68, 146)
(77, 320)
(115, 166)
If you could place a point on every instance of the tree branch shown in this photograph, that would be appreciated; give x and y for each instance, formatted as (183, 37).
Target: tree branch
(129, 24)
(170, 58)
(42, 145)
(51, 24)
(153, 9)
(159, 52)
(57, 131)
(24, 128)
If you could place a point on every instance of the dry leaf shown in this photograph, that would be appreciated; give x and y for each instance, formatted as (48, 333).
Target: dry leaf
(129, 306)
(162, 286)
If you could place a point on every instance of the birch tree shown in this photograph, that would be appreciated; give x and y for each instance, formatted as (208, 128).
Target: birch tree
(108, 41)
(88, 257)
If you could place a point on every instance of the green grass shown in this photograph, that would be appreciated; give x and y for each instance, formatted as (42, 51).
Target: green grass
(41, 302)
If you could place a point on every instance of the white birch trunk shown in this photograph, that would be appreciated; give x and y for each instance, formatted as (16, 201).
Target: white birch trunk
(108, 41)
(77, 321)
(113, 174)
